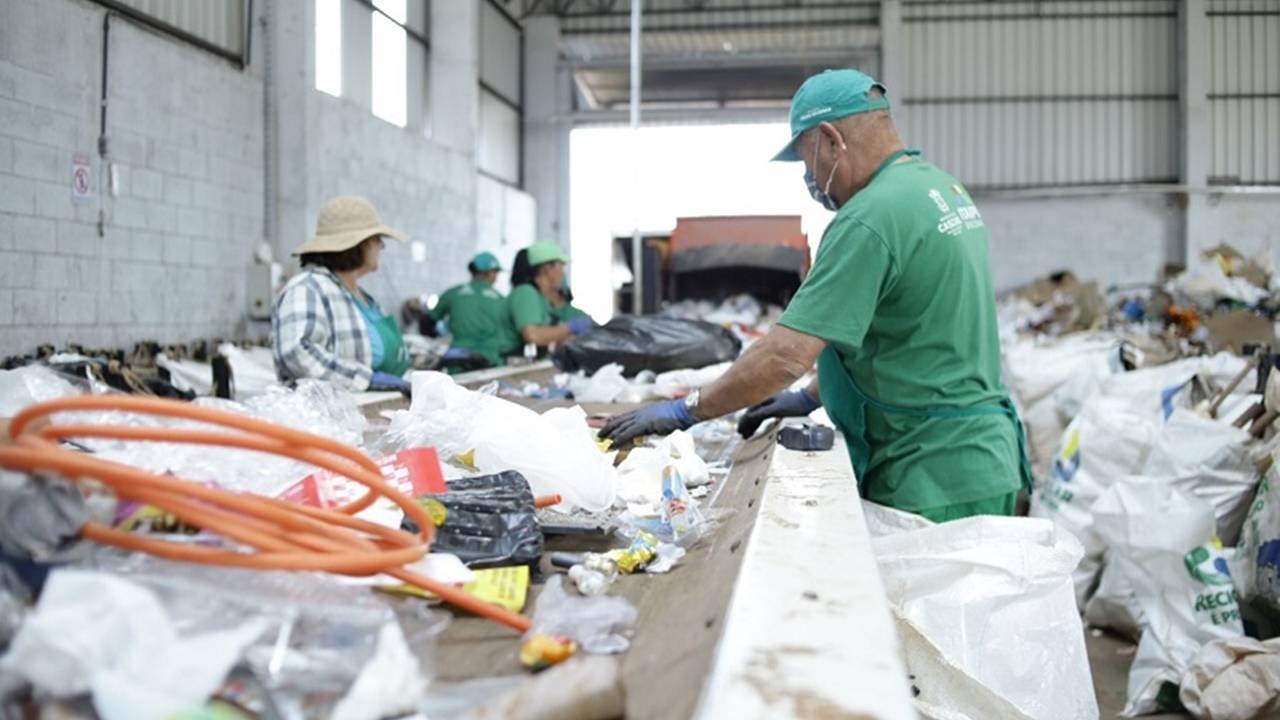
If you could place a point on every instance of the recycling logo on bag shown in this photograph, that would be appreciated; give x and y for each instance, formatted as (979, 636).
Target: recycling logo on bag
(1207, 565)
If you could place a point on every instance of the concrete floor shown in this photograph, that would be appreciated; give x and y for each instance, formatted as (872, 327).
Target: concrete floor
(1109, 658)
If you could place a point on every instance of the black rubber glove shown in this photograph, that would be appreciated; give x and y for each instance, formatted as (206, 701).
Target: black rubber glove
(788, 403)
(658, 419)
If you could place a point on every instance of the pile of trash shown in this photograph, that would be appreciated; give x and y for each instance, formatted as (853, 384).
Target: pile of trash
(1151, 430)
(94, 631)
(743, 314)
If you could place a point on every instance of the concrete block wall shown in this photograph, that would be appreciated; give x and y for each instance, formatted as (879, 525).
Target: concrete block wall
(418, 186)
(186, 137)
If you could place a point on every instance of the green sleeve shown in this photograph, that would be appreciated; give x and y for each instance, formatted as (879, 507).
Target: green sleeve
(441, 310)
(569, 312)
(528, 307)
(852, 272)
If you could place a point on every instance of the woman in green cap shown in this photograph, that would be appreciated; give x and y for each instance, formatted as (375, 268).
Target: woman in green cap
(477, 313)
(539, 312)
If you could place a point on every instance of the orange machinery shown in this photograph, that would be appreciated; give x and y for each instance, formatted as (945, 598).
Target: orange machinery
(712, 258)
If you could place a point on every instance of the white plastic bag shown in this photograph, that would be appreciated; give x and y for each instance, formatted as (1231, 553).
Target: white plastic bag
(1114, 436)
(605, 386)
(554, 451)
(994, 595)
(1234, 680)
(640, 475)
(1159, 538)
(98, 633)
(30, 384)
(1256, 566)
(1209, 459)
(1109, 440)
(884, 520)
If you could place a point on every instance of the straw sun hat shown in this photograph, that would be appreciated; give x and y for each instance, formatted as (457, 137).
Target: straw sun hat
(345, 222)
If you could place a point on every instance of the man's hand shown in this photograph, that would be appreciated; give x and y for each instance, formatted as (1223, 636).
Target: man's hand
(659, 419)
(788, 403)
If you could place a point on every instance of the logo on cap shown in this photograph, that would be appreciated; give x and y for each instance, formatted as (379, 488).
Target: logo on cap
(815, 112)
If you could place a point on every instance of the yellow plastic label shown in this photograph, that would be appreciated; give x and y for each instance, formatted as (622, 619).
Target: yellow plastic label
(506, 587)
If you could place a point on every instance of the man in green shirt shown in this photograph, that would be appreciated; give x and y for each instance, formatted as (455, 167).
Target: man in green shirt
(898, 312)
(537, 308)
(477, 313)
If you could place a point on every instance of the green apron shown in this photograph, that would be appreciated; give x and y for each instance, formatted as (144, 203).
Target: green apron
(395, 357)
(847, 406)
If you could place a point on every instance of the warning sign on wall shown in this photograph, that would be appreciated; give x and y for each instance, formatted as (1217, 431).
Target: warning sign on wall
(81, 177)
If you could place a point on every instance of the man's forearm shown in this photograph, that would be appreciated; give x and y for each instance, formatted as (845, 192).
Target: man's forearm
(767, 367)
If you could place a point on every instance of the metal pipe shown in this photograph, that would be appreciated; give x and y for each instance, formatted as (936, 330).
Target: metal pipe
(102, 125)
(637, 245)
(146, 20)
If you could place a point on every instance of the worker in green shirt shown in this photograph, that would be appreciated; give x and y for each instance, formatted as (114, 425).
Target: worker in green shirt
(477, 313)
(537, 307)
(562, 304)
(898, 312)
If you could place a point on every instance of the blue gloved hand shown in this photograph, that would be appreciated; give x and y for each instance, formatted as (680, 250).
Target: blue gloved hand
(788, 403)
(579, 325)
(382, 381)
(659, 419)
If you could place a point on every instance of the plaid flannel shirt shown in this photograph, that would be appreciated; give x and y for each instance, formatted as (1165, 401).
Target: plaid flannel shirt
(319, 332)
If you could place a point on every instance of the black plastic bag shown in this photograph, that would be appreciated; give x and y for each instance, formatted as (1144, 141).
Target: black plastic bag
(649, 342)
(488, 521)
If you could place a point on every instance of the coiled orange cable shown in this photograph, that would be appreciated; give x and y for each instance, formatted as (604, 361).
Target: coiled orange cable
(282, 535)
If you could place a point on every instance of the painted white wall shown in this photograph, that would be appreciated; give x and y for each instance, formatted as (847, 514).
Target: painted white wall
(1116, 239)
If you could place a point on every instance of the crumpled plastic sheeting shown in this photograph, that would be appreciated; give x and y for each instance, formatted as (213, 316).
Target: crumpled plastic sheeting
(1235, 679)
(604, 386)
(678, 383)
(38, 516)
(390, 684)
(322, 637)
(315, 407)
(598, 624)
(252, 370)
(97, 633)
(555, 451)
(640, 475)
(30, 384)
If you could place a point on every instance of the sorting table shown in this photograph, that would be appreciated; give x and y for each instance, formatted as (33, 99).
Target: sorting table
(780, 613)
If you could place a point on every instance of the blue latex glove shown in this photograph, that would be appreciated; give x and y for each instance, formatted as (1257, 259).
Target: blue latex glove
(386, 381)
(659, 419)
(579, 325)
(788, 403)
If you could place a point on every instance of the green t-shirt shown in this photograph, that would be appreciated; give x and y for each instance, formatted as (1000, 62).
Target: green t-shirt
(528, 307)
(567, 312)
(901, 288)
(478, 320)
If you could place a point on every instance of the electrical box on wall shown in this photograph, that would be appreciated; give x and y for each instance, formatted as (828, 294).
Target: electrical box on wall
(264, 280)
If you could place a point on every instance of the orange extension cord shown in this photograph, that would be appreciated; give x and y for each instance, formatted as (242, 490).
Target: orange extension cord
(284, 536)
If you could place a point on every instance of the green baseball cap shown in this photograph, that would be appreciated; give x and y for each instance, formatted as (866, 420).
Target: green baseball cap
(830, 95)
(485, 261)
(545, 251)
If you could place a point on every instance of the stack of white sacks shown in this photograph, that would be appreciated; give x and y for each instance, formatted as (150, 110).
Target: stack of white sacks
(1178, 533)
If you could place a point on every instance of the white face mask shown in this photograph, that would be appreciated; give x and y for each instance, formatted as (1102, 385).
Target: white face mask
(822, 194)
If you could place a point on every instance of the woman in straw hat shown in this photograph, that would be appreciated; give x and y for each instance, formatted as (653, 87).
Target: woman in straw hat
(325, 326)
